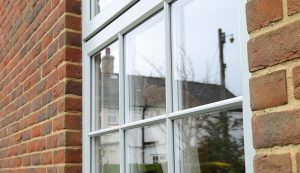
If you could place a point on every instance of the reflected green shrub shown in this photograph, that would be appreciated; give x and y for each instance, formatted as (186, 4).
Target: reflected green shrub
(135, 168)
(216, 167)
(146, 168)
(111, 168)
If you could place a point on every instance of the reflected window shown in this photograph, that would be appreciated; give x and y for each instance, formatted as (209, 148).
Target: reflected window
(145, 69)
(205, 51)
(210, 143)
(144, 146)
(107, 87)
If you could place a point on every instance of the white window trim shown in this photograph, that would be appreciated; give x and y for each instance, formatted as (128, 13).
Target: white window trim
(96, 22)
(116, 30)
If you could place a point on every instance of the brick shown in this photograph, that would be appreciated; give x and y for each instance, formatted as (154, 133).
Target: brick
(59, 156)
(296, 81)
(73, 22)
(293, 6)
(73, 121)
(54, 3)
(273, 163)
(72, 139)
(51, 80)
(274, 47)
(262, 13)
(53, 47)
(36, 104)
(47, 97)
(26, 135)
(58, 90)
(46, 40)
(67, 156)
(73, 6)
(52, 169)
(58, 28)
(46, 158)
(52, 141)
(47, 68)
(26, 160)
(46, 128)
(58, 123)
(36, 131)
(36, 159)
(73, 156)
(67, 121)
(73, 87)
(73, 169)
(72, 104)
(276, 129)
(73, 71)
(73, 54)
(17, 162)
(40, 144)
(52, 109)
(269, 90)
(69, 38)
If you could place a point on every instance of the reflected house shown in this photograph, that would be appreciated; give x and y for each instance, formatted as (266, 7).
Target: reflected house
(147, 145)
(152, 99)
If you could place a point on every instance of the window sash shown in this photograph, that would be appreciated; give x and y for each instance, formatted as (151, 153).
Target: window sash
(116, 30)
(224, 105)
(96, 22)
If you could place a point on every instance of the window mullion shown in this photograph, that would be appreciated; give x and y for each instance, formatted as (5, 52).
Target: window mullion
(93, 114)
(93, 97)
(169, 98)
(122, 104)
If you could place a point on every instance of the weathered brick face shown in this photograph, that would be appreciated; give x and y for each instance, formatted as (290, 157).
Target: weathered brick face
(263, 13)
(40, 86)
(274, 52)
(273, 163)
(293, 6)
(268, 90)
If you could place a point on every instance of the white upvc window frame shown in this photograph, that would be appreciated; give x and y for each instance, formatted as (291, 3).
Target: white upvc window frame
(95, 22)
(116, 27)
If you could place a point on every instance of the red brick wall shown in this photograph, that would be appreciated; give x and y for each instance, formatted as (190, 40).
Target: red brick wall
(274, 52)
(40, 86)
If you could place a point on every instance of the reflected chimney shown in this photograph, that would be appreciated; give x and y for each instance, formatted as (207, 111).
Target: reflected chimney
(107, 65)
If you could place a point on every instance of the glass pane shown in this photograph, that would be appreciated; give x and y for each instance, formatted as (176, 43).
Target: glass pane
(210, 143)
(145, 69)
(146, 149)
(199, 49)
(107, 153)
(107, 87)
(100, 5)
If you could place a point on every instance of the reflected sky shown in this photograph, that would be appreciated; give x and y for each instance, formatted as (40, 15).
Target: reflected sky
(197, 35)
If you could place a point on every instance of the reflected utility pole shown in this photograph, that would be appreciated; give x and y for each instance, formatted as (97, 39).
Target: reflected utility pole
(222, 41)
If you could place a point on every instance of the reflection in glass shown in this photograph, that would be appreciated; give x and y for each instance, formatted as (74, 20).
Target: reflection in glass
(100, 5)
(206, 63)
(107, 153)
(210, 143)
(107, 87)
(145, 69)
(146, 149)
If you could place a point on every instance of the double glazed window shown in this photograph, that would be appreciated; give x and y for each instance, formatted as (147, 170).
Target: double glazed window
(166, 92)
